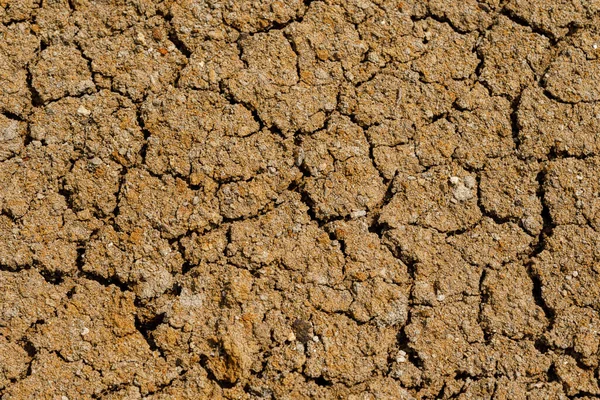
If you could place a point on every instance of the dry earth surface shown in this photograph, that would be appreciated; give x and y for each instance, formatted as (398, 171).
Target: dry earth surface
(337, 199)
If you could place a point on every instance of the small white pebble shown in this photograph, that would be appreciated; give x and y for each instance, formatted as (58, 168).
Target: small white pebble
(196, 200)
(469, 181)
(401, 357)
(575, 274)
(358, 214)
(83, 111)
(595, 46)
(462, 193)
(85, 331)
(315, 339)
(64, 398)
(454, 180)
(291, 337)
(140, 39)
(441, 297)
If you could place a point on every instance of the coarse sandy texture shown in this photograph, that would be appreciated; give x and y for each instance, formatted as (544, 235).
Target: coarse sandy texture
(336, 199)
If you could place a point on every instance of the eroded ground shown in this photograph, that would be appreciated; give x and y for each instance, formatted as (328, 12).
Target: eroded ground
(299, 199)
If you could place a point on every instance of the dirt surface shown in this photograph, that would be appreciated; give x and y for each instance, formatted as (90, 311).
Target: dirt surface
(358, 199)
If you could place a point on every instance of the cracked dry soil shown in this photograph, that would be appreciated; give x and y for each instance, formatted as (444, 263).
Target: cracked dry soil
(337, 199)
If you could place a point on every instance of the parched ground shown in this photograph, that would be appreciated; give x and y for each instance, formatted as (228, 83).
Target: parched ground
(337, 199)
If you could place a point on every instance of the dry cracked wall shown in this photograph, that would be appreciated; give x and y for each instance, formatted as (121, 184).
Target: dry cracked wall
(362, 199)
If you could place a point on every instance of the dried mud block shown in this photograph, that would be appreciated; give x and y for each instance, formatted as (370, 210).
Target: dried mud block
(389, 33)
(326, 44)
(436, 143)
(479, 129)
(576, 329)
(459, 338)
(26, 298)
(253, 16)
(61, 71)
(194, 383)
(26, 179)
(281, 237)
(54, 22)
(99, 20)
(94, 185)
(41, 226)
(342, 178)
(15, 96)
(378, 281)
(52, 376)
(367, 257)
(166, 204)
(390, 161)
(12, 137)
(103, 335)
(549, 390)
(529, 389)
(379, 302)
(439, 272)
(139, 61)
(18, 46)
(548, 127)
(381, 388)
(443, 198)
(14, 360)
(184, 124)
(553, 17)
(491, 244)
(209, 247)
(195, 23)
(510, 308)
(211, 63)
(572, 192)
(142, 260)
(466, 16)
(484, 126)
(101, 125)
(509, 191)
(571, 77)
(14, 252)
(46, 232)
(575, 380)
(344, 351)
(226, 342)
(238, 354)
(17, 10)
(224, 146)
(19, 42)
(398, 94)
(518, 358)
(270, 58)
(568, 268)
(514, 57)
(448, 56)
(270, 84)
